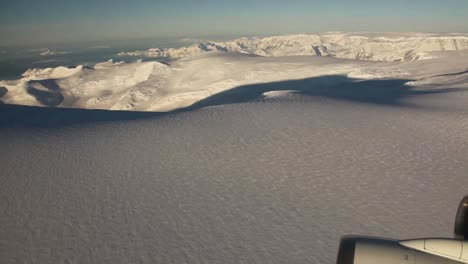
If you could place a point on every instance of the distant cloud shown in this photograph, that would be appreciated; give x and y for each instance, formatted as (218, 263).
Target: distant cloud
(48, 52)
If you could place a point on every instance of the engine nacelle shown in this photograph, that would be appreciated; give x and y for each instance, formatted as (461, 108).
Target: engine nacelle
(461, 220)
(362, 250)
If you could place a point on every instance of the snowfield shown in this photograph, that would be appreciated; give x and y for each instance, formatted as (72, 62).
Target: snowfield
(278, 180)
(207, 69)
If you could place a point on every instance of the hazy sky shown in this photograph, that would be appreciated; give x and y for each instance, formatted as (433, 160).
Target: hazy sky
(34, 21)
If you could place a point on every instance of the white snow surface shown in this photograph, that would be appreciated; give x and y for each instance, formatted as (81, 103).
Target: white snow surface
(362, 46)
(274, 181)
(155, 86)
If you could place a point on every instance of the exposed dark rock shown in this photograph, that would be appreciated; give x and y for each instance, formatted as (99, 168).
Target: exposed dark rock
(47, 92)
(3, 91)
(46, 98)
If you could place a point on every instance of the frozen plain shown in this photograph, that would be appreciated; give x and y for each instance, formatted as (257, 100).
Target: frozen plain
(264, 182)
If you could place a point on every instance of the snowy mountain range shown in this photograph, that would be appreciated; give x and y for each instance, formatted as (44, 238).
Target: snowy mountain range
(207, 69)
(387, 47)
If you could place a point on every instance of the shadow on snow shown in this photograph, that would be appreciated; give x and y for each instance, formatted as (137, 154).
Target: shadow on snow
(383, 92)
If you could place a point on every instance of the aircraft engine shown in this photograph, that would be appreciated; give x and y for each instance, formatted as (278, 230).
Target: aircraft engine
(362, 250)
(461, 221)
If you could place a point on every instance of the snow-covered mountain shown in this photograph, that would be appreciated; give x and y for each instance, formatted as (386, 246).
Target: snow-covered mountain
(387, 47)
(155, 86)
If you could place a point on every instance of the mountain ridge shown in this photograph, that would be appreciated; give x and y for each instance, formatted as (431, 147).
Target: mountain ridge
(347, 46)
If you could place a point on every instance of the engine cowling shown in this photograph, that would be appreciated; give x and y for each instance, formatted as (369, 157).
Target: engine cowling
(461, 220)
(362, 250)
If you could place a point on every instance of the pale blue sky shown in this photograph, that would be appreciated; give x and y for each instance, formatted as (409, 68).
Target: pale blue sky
(41, 21)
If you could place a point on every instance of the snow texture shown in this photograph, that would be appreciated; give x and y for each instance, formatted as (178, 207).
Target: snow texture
(277, 180)
(279, 157)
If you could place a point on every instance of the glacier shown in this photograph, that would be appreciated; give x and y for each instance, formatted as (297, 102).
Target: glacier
(278, 180)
